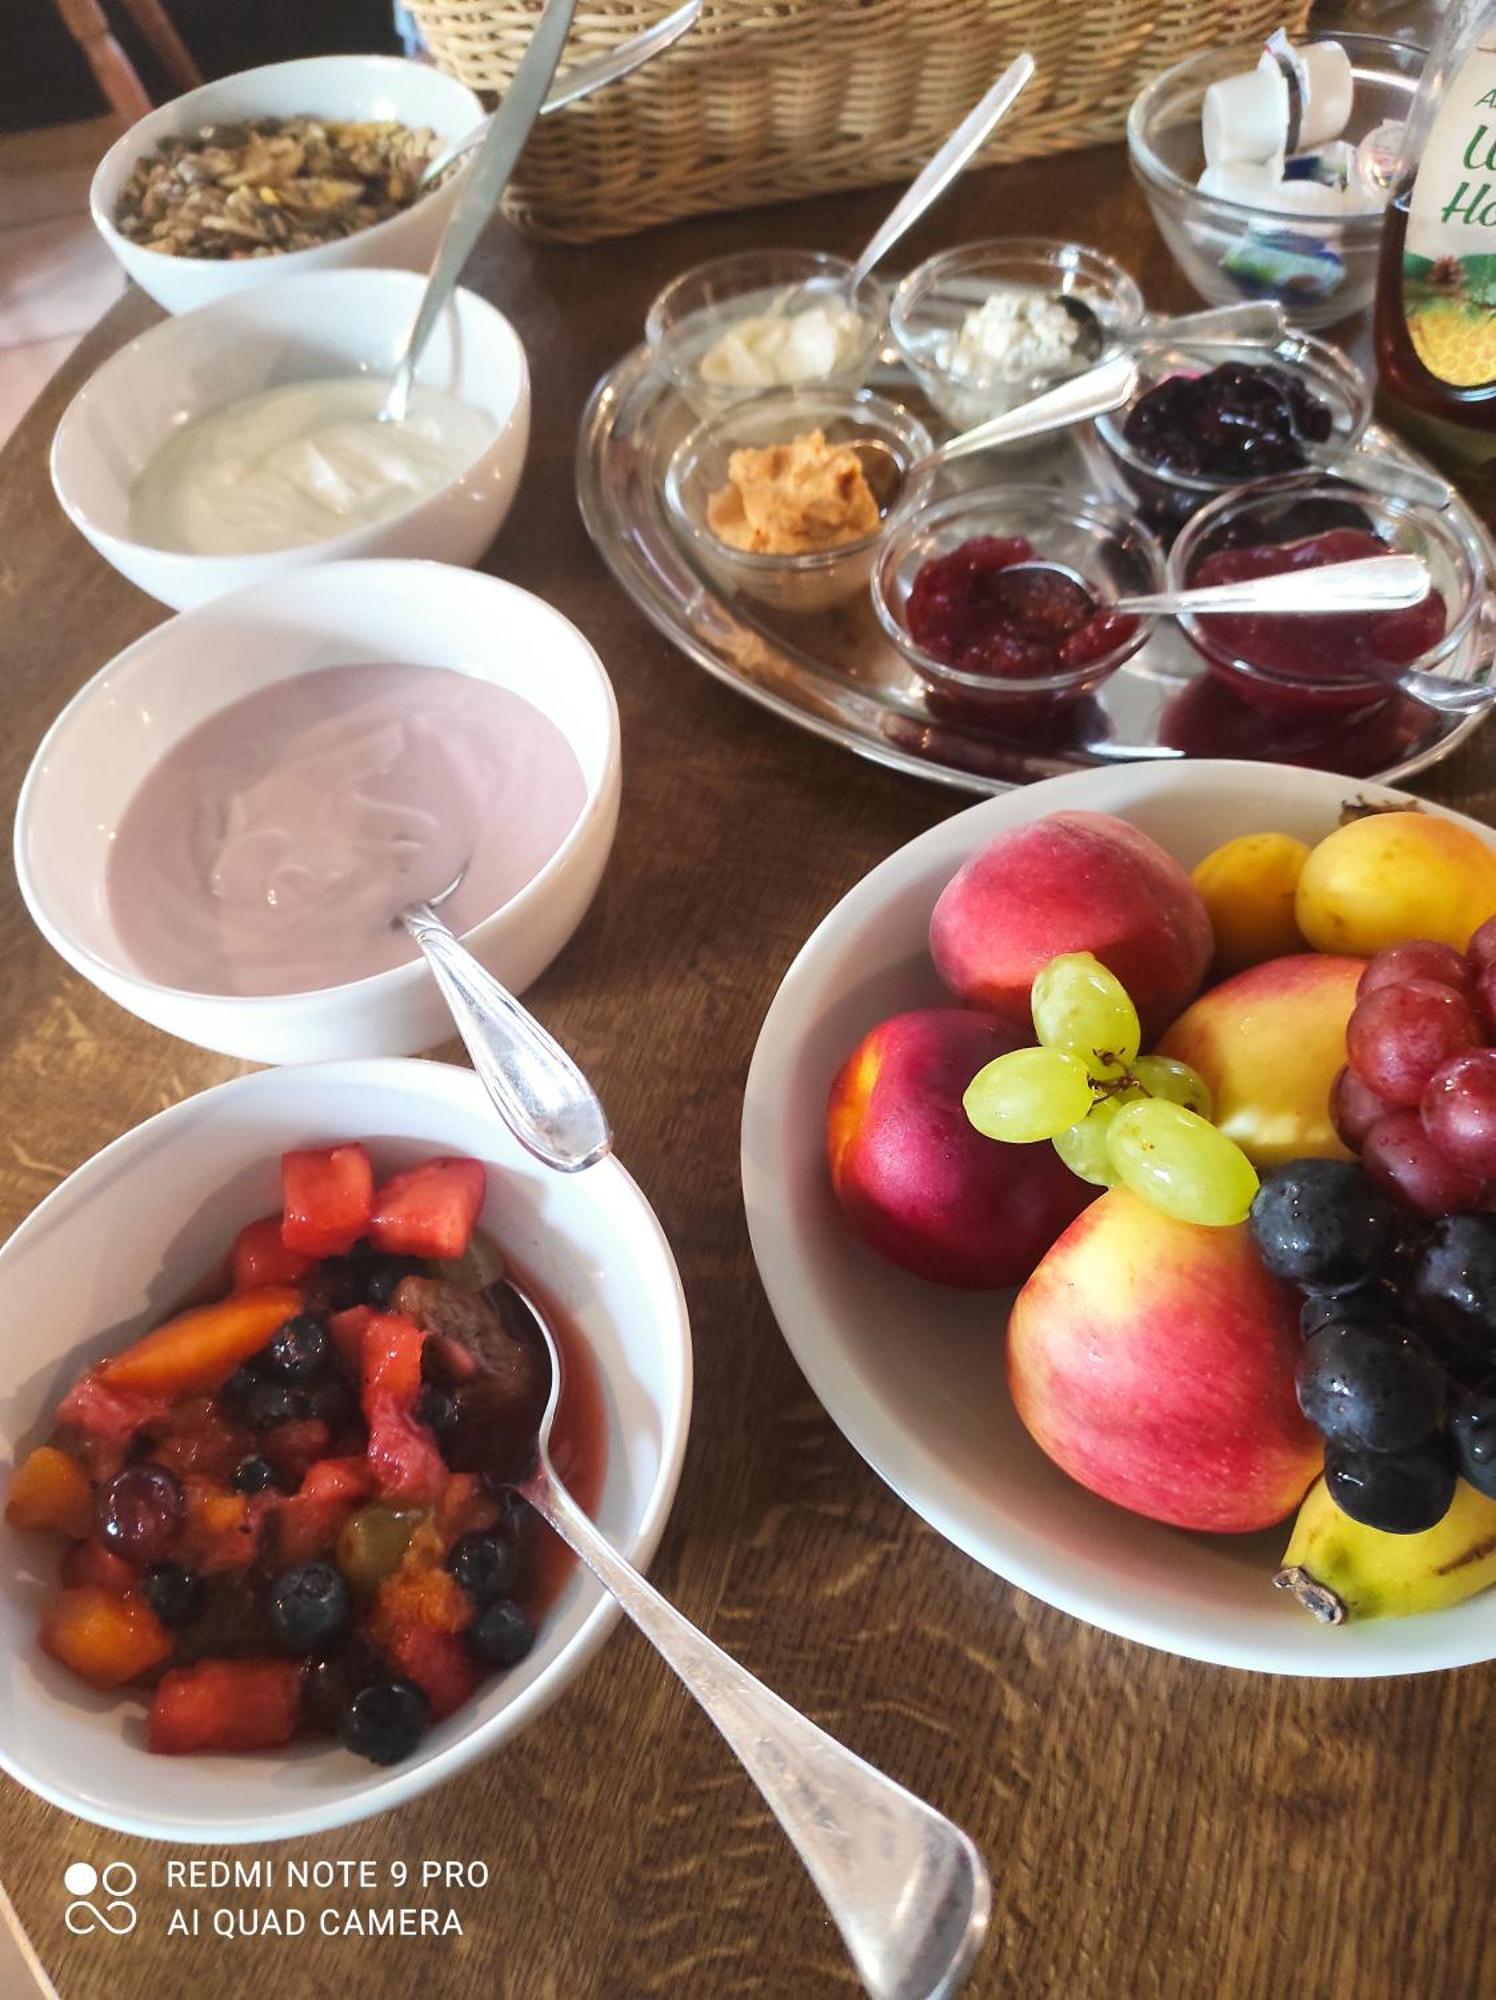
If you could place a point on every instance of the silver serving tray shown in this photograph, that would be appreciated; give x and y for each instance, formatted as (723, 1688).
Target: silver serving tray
(836, 674)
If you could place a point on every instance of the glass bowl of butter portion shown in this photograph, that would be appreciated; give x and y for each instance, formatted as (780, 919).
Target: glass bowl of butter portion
(742, 326)
(984, 328)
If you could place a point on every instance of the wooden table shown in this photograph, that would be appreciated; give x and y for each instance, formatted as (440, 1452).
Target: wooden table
(1153, 1827)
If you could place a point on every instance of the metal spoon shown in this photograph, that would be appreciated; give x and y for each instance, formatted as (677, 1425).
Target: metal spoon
(1250, 321)
(581, 81)
(498, 152)
(536, 1088)
(1370, 583)
(907, 1890)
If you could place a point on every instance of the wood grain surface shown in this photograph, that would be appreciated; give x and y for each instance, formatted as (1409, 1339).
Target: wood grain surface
(1154, 1828)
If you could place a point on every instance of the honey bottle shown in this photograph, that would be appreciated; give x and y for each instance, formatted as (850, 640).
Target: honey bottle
(1435, 326)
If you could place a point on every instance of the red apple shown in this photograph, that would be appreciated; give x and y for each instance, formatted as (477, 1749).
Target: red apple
(1073, 881)
(915, 1178)
(1153, 1361)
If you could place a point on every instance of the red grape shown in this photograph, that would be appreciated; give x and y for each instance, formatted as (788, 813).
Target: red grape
(1353, 1108)
(1459, 1112)
(1400, 1157)
(1481, 950)
(1420, 958)
(1485, 996)
(1399, 1035)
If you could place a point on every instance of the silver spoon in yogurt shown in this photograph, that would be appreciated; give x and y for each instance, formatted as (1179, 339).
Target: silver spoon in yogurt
(908, 1890)
(534, 1085)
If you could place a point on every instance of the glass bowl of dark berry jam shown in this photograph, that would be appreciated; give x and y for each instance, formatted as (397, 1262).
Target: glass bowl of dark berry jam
(1342, 662)
(974, 592)
(1207, 418)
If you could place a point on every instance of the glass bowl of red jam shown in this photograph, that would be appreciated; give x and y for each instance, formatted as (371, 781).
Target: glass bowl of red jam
(997, 641)
(1337, 662)
(1207, 417)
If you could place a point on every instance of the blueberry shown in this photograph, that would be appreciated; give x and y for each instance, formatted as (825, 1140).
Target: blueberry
(271, 1403)
(385, 1276)
(340, 1281)
(1454, 1291)
(238, 1389)
(501, 1634)
(177, 1596)
(385, 1721)
(1370, 1386)
(308, 1607)
(1323, 1226)
(1402, 1494)
(333, 1679)
(486, 1566)
(1473, 1428)
(437, 1409)
(299, 1351)
(254, 1475)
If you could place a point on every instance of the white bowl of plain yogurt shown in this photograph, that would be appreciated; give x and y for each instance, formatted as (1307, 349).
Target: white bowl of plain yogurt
(241, 440)
(219, 828)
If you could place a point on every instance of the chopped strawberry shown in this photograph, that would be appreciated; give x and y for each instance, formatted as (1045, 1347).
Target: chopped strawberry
(197, 1351)
(347, 1330)
(391, 1360)
(403, 1454)
(106, 1640)
(429, 1210)
(439, 1664)
(341, 1479)
(327, 1196)
(52, 1491)
(108, 1412)
(225, 1705)
(92, 1563)
(294, 1448)
(260, 1258)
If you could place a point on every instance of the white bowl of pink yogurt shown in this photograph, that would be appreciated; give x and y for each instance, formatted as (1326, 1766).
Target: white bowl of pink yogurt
(218, 829)
(320, 482)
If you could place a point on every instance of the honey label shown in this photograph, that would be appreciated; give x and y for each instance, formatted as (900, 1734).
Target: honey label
(1449, 254)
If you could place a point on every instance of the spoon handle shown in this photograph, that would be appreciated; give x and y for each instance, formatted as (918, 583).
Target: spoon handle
(1381, 473)
(1249, 320)
(1370, 583)
(907, 1890)
(931, 182)
(536, 1088)
(1105, 387)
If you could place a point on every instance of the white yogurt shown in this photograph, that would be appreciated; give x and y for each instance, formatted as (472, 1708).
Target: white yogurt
(300, 464)
(783, 350)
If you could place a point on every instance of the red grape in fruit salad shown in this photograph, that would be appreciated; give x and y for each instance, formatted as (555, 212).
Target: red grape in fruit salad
(288, 1510)
(975, 610)
(1332, 658)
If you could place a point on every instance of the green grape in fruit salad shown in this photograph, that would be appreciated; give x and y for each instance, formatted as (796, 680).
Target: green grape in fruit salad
(1086, 1147)
(1028, 1095)
(1179, 1162)
(1082, 1008)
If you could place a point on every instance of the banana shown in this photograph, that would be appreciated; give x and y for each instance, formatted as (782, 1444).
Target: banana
(1338, 1570)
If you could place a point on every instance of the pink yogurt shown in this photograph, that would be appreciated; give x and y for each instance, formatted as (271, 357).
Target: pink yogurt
(270, 850)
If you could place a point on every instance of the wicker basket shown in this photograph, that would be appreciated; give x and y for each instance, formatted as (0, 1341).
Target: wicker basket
(769, 100)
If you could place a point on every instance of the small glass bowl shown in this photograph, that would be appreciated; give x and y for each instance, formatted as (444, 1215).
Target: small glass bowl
(1320, 269)
(1288, 509)
(1167, 499)
(804, 584)
(932, 303)
(1100, 541)
(698, 307)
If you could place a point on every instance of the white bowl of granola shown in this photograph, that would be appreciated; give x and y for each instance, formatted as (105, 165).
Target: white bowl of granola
(192, 223)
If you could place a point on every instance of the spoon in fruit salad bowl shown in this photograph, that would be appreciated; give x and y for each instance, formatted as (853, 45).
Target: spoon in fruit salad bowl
(907, 1889)
(534, 1085)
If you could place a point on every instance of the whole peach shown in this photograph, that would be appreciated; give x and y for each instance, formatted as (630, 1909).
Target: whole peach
(916, 1180)
(1073, 881)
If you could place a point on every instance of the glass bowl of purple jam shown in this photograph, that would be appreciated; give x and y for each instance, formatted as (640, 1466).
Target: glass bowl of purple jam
(1208, 416)
(1000, 640)
(1340, 663)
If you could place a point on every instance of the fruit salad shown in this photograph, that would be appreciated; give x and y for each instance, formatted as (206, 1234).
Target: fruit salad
(288, 1510)
(1232, 1133)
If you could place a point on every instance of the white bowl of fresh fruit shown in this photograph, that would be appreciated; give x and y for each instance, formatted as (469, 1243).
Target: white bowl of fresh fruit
(1089, 1040)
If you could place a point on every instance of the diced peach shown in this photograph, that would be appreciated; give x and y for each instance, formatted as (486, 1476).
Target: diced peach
(260, 1258)
(51, 1491)
(199, 1350)
(106, 1640)
(91, 1562)
(221, 1528)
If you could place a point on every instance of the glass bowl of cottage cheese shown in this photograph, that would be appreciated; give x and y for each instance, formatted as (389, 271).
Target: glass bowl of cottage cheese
(983, 328)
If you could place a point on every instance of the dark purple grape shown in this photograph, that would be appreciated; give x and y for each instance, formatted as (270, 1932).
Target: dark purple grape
(1370, 1386)
(139, 1513)
(1453, 1292)
(1321, 1225)
(1368, 1305)
(1401, 1494)
(1473, 1428)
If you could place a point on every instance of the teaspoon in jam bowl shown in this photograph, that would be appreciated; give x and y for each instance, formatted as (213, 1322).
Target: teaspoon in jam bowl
(1369, 583)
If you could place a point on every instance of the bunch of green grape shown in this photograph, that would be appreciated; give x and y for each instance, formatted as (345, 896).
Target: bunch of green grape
(1116, 1117)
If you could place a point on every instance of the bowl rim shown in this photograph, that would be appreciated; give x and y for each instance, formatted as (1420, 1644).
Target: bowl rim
(135, 142)
(1094, 511)
(911, 289)
(1442, 524)
(777, 1231)
(889, 417)
(1328, 360)
(1153, 171)
(184, 564)
(374, 985)
(435, 1079)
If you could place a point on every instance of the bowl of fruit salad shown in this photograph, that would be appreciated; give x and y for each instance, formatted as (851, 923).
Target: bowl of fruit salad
(1118, 1158)
(265, 1571)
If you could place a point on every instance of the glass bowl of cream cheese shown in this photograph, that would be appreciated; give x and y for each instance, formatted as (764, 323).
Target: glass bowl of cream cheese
(985, 327)
(745, 325)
